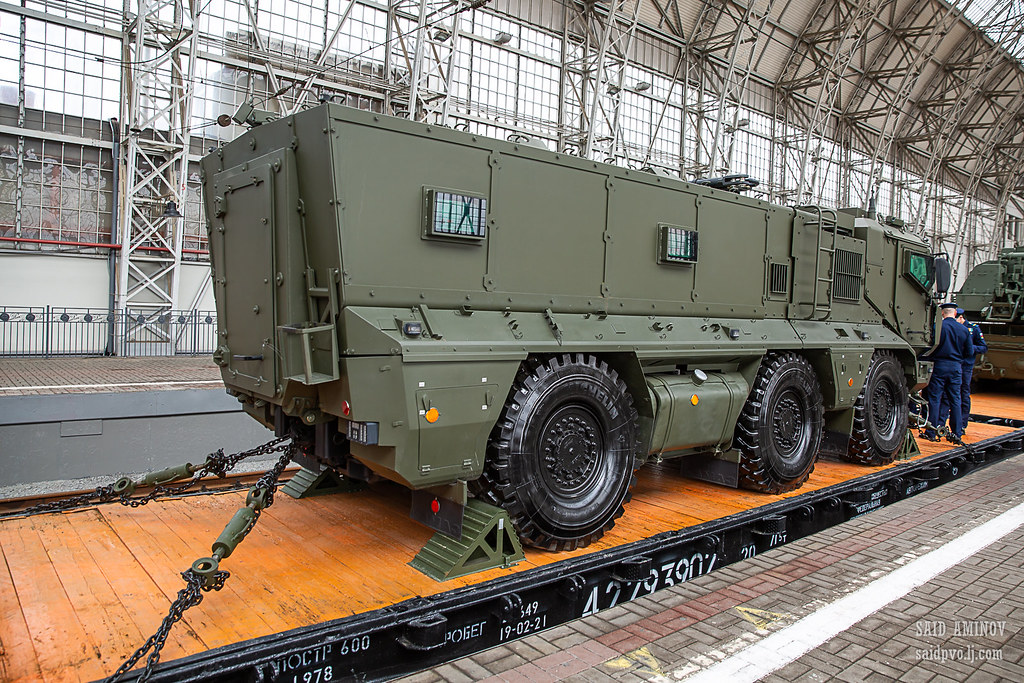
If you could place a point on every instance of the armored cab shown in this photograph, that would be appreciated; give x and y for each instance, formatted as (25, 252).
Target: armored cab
(993, 297)
(468, 316)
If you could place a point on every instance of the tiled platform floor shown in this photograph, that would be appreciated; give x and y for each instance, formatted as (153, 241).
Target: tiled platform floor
(965, 624)
(68, 375)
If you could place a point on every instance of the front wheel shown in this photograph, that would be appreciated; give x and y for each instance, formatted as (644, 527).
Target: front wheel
(881, 414)
(780, 427)
(561, 458)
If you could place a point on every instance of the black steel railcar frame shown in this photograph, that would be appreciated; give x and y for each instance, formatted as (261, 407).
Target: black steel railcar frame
(423, 632)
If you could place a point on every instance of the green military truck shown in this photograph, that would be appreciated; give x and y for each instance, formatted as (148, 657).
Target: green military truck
(993, 297)
(474, 317)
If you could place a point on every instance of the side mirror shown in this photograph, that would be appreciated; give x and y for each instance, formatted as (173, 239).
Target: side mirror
(943, 275)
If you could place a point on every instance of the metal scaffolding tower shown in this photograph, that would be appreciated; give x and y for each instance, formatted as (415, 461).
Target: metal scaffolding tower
(158, 59)
(423, 47)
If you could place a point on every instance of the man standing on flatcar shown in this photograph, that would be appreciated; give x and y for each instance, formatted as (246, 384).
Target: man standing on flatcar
(967, 369)
(947, 372)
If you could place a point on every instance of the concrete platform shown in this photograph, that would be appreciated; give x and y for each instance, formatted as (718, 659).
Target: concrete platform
(927, 589)
(77, 423)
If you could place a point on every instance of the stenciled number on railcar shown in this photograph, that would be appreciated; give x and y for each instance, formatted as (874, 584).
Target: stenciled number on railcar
(354, 645)
(315, 676)
(523, 627)
(664, 575)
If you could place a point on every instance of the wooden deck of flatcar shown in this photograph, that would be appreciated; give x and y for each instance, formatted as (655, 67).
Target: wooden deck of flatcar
(79, 591)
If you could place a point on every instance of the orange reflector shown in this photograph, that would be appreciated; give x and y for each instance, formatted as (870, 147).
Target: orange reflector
(432, 415)
(694, 400)
(850, 382)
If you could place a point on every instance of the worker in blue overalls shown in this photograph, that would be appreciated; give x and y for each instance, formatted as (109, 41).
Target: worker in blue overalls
(967, 369)
(947, 370)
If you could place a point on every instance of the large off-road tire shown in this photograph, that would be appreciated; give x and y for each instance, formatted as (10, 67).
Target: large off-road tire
(780, 427)
(881, 413)
(561, 457)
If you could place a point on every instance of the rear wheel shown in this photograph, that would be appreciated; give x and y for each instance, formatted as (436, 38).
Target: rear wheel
(779, 429)
(561, 457)
(881, 414)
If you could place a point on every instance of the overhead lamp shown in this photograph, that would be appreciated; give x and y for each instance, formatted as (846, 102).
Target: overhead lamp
(171, 210)
(742, 123)
(641, 86)
(613, 89)
(442, 33)
(502, 38)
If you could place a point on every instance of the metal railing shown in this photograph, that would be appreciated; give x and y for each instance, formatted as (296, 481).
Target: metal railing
(56, 331)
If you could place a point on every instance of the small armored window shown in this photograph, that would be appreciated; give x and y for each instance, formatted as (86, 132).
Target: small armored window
(454, 216)
(676, 245)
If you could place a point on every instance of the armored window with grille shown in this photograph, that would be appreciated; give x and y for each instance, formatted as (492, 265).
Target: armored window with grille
(676, 245)
(778, 279)
(454, 215)
(847, 275)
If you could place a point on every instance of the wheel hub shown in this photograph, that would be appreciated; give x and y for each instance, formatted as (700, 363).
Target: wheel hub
(883, 407)
(571, 446)
(787, 423)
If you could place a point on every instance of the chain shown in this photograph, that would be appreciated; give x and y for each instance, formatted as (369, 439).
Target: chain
(204, 574)
(102, 494)
(217, 464)
(942, 430)
(188, 597)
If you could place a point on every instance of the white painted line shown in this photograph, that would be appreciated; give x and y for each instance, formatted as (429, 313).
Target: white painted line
(114, 386)
(792, 642)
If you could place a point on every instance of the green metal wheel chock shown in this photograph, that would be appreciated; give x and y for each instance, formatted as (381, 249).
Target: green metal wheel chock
(488, 542)
(909, 448)
(306, 483)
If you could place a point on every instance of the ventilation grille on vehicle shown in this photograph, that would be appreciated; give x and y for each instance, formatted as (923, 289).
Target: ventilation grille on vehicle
(778, 278)
(847, 275)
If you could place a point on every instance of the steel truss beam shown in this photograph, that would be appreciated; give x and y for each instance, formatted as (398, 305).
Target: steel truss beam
(156, 119)
(970, 242)
(739, 35)
(831, 51)
(598, 44)
(965, 86)
(918, 43)
(422, 56)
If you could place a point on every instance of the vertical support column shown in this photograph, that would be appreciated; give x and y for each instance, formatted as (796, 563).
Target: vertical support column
(159, 65)
(427, 51)
(746, 37)
(19, 196)
(607, 78)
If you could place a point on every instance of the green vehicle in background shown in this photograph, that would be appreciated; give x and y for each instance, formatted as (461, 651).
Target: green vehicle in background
(993, 297)
(474, 317)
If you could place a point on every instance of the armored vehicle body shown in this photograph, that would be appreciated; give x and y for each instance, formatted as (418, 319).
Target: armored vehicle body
(992, 296)
(468, 316)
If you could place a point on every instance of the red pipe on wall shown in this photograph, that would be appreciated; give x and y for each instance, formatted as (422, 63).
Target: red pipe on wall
(95, 245)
